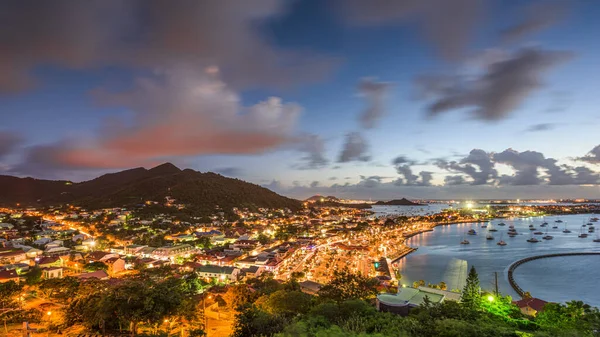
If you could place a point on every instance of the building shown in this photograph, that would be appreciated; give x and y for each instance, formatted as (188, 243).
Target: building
(115, 265)
(9, 275)
(49, 262)
(12, 256)
(98, 274)
(52, 272)
(172, 252)
(408, 298)
(222, 274)
(310, 287)
(531, 306)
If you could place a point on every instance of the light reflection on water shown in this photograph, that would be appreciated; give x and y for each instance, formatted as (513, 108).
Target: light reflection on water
(557, 279)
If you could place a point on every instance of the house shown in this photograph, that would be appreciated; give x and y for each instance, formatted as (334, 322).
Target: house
(50, 261)
(57, 251)
(310, 287)
(9, 275)
(252, 271)
(530, 306)
(223, 274)
(115, 265)
(98, 274)
(52, 272)
(11, 256)
(171, 252)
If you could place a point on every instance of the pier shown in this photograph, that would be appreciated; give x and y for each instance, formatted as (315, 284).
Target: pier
(516, 264)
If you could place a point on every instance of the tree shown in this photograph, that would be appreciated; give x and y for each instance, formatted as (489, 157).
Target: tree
(263, 239)
(94, 266)
(345, 285)
(284, 302)
(471, 295)
(252, 321)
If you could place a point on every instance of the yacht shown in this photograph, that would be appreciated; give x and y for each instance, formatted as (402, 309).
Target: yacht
(533, 240)
(492, 229)
(582, 235)
(544, 224)
(484, 226)
(591, 230)
(512, 234)
(559, 221)
(538, 233)
(597, 239)
(566, 230)
(501, 243)
(547, 237)
(511, 227)
(489, 237)
(464, 242)
(594, 219)
(591, 227)
(531, 228)
(502, 224)
(472, 232)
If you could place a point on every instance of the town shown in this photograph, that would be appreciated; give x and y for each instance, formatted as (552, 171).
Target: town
(310, 246)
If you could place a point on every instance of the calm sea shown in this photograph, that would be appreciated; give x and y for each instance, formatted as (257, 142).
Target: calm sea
(441, 257)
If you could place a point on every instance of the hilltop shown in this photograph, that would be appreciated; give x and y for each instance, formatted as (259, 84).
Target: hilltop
(202, 191)
(398, 202)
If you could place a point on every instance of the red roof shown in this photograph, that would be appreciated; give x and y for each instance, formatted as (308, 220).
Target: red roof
(534, 303)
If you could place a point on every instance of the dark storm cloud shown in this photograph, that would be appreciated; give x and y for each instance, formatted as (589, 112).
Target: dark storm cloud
(402, 160)
(536, 17)
(592, 157)
(541, 127)
(450, 25)
(500, 88)
(375, 95)
(148, 34)
(8, 142)
(314, 184)
(355, 148)
(229, 171)
(478, 165)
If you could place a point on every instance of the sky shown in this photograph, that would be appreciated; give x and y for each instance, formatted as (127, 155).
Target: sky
(355, 98)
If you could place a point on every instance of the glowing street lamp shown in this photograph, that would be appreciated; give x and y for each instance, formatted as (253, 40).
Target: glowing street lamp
(490, 298)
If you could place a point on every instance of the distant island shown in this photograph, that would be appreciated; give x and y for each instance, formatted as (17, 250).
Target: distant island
(398, 202)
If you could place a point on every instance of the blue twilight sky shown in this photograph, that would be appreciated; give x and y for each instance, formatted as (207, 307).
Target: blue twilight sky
(357, 98)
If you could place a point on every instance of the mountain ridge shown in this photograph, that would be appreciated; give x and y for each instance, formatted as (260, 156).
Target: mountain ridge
(202, 191)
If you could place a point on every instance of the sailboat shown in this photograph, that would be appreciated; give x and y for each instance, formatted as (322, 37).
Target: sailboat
(489, 236)
(582, 235)
(547, 237)
(597, 239)
(464, 241)
(531, 228)
(501, 242)
(559, 221)
(533, 240)
(502, 224)
(472, 232)
(566, 230)
(544, 224)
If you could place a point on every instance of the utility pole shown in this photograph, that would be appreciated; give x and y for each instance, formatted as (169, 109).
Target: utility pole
(496, 283)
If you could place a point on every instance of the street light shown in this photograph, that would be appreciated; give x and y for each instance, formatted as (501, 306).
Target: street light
(490, 298)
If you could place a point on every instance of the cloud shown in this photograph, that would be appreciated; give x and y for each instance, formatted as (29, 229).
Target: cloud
(529, 166)
(370, 182)
(8, 142)
(229, 171)
(455, 180)
(592, 157)
(149, 34)
(537, 17)
(477, 165)
(314, 184)
(500, 87)
(355, 148)
(313, 148)
(177, 112)
(375, 94)
(407, 178)
(448, 24)
(540, 127)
